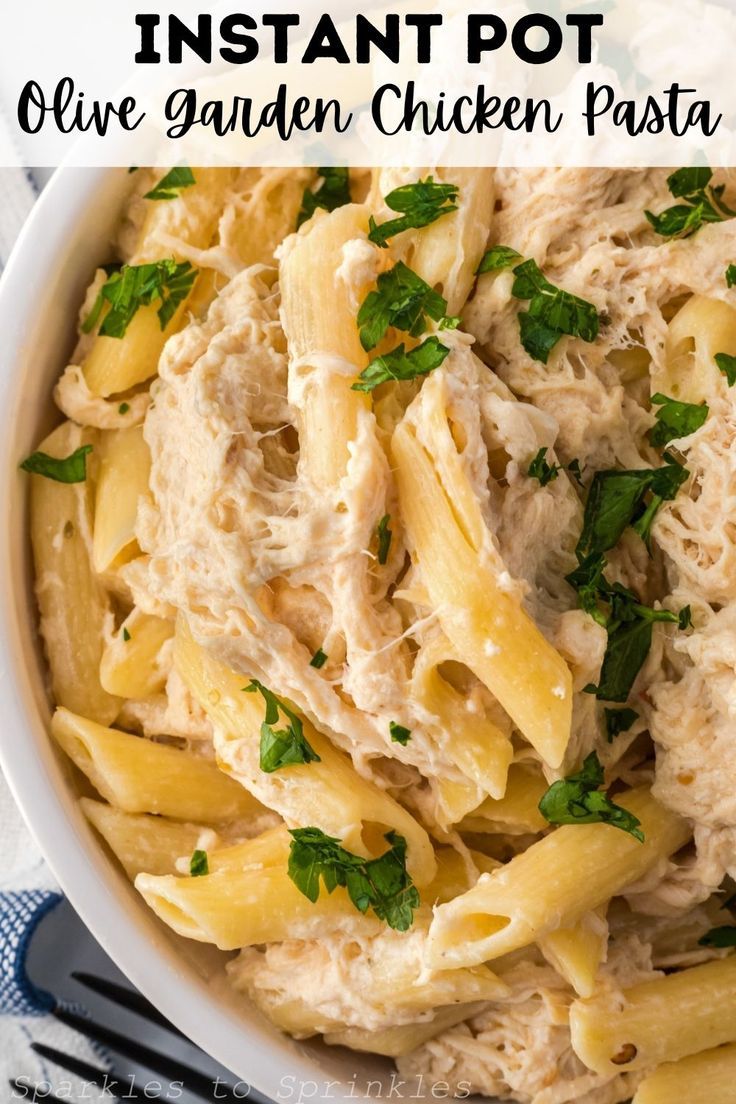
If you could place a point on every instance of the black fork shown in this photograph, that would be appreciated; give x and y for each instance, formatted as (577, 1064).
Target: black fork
(161, 1064)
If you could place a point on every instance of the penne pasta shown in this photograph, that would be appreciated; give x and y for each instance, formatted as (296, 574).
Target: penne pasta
(142, 842)
(233, 909)
(125, 466)
(130, 665)
(75, 611)
(705, 1078)
(657, 1021)
(139, 776)
(463, 574)
(552, 885)
(701, 329)
(324, 346)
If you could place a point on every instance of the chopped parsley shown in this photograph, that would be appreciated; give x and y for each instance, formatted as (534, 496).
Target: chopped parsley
(332, 191)
(384, 535)
(617, 499)
(381, 884)
(318, 659)
(629, 625)
(400, 365)
(68, 469)
(618, 721)
(198, 864)
(578, 799)
(135, 286)
(171, 185)
(731, 275)
(719, 937)
(727, 365)
(123, 408)
(553, 313)
(675, 419)
(284, 747)
(126, 635)
(399, 734)
(541, 470)
(497, 258)
(701, 204)
(402, 300)
(418, 204)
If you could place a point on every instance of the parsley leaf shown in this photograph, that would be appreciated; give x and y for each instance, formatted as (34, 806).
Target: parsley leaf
(618, 721)
(420, 205)
(497, 258)
(385, 536)
(685, 182)
(126, 635)
(702, 205)
(172, 184)
(629, 625)
(616, 499)
(727, 365)
(286, 746)
(685, 618)
(68, 469)
(401, 299)
(400, 365)
(123, 408)
(135, 286)
(332, 191)
(552, 313)
(629, 641)
(198, 864)
(675, 419)
(318, 659)
(541, 470)
(731, 275)
(719, 937)
(578, 800)
(399, 734)
(382, 884)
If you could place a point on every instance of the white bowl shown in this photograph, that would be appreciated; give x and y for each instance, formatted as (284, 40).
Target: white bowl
(67, 235)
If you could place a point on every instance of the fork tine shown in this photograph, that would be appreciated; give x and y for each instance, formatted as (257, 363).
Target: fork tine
(90, 1073)
(196, 1082)
(126, 998)
(71, 1064)
(31, 1091)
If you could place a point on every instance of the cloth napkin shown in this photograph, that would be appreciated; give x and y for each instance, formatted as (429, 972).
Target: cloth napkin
(28, 892)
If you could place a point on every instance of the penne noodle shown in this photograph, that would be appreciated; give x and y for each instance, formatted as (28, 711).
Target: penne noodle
(129, 665)
(142, 842)
(324, 345)
(463, 575)
(552, 885)
(705, 1078)
(125, 466)
(75, 610)
(139, 776)
(657, 1021)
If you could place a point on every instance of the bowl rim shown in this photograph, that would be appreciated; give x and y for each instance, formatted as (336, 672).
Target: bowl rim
(88, 880)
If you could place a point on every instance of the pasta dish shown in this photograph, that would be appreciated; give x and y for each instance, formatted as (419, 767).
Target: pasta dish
(386, 570)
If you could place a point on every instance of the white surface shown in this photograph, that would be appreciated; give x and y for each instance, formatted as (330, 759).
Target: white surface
(39, 296)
